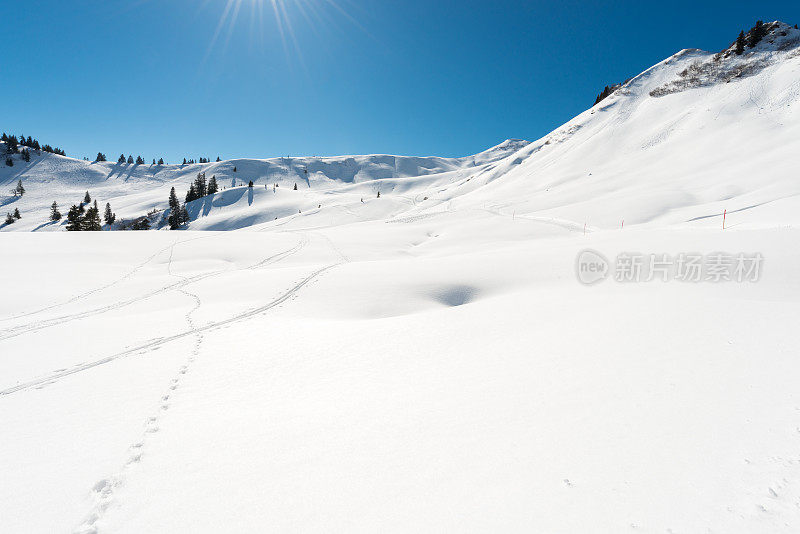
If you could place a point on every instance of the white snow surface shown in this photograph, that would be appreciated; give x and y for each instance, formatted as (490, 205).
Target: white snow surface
(426, 360)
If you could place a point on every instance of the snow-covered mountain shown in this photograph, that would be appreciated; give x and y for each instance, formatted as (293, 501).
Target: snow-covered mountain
(427, 360)
(694, 135)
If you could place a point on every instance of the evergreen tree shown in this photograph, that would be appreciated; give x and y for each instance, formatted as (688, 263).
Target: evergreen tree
(757, 33)
(139, 160)
(184, 161)
(55, 215)
(740, 44)
(11, 145)
(17, 214)
(81, 209)
(295, 187)
(154, 161)
(379, 194)
(10, 219)
(20, 189)
(121, 159)
(218, 160)
(212, 186)
(100, 157)
(87, 198)
(141, 224)
(26, 155)
(250, 185)
(130, 159)
(108, 216)
(191, 194)
(183, 217)
(74, 219)
(91, 221)
(174, 210)
(9, 162)
(160, 161)
(200, 186)
(234, 169)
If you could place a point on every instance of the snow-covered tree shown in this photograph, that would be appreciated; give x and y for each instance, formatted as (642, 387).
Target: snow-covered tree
(17, 214)
(91, 221)
(740, 42)
(87, 198)
(212, 186)
(55, 215)
(109, 217)
(74, 219)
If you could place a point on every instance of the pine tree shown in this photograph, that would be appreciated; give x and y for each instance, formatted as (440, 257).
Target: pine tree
(9, 162)
(184, 161)
(130, 159)
(757, 33)
(250, 185)
(234, 169)
(200, 186)
(17, 214)
(191, 194)
(55, 215)
(212, 185)
(26, 155)
(11, 145)
(91, 221)
(174, 210)
(74, 219)
(379, 194)
(87, 198)
(740, 42)
(139, 160)
(20, 189)
(183, 217)
(108, 216)
(295, 187)
(10, 219)
(154, 161)
(100, 157)
(121, 159)
(160, 161)
(218, 160)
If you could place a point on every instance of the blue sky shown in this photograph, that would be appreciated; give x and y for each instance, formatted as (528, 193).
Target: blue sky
(177, 78)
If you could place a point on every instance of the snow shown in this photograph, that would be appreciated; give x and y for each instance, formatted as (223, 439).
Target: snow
(426, 360)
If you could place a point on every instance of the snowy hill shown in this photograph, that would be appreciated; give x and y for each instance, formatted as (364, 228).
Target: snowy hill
(683, 141)
(433, 359)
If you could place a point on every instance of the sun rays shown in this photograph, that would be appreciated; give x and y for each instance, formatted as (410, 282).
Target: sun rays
(279, 16)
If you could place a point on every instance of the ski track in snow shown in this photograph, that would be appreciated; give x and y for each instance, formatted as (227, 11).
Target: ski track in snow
(103, 492)
(109, 285)
(49, 323)
(146, 347)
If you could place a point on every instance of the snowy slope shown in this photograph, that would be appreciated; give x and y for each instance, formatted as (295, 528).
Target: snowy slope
(426, 360)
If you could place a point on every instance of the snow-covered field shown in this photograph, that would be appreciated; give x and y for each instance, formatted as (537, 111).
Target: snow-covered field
(427, 360)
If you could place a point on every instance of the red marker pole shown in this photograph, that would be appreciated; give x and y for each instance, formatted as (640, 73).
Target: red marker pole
(724, 217)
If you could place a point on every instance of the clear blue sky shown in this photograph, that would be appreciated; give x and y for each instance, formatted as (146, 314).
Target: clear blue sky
(417, 77)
